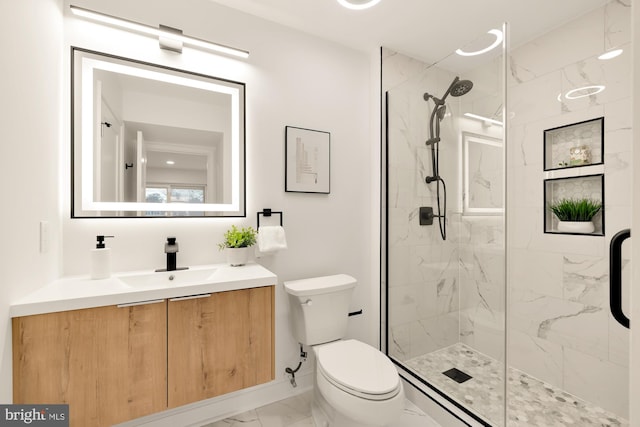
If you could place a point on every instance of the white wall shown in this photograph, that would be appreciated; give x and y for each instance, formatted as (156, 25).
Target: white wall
(31, 42)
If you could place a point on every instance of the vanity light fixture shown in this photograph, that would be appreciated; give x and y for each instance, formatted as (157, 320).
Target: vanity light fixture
(170, 162)
(610, 54)
(499, 37)
(170, 38)
(483, 119)
(358, 4)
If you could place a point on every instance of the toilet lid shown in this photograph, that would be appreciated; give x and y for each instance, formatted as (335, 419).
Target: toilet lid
(358, 367)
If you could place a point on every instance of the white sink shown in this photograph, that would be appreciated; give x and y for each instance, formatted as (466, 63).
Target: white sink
(169, 278)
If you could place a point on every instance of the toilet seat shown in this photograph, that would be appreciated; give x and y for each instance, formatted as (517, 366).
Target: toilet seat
(358, 369)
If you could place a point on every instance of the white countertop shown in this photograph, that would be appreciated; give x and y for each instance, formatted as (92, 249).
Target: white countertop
(72, 293)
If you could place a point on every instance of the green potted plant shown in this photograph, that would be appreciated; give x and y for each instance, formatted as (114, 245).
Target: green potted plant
(237, 242)
(576, 215)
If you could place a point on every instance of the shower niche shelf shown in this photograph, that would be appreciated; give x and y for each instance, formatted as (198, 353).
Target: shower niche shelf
(574, 145)
(574, 187)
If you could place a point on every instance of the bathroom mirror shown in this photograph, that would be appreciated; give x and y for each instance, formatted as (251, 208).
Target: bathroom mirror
(154, 141)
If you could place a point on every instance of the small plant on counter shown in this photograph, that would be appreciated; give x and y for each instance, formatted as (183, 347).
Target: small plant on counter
(577, 210)
(238, 238)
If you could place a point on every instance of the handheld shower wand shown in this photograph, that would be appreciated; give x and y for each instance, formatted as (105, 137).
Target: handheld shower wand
(456, 88)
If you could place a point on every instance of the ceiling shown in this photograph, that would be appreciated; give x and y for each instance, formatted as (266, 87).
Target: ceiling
(425, 29)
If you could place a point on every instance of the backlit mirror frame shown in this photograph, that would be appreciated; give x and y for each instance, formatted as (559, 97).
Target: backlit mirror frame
(83, 205)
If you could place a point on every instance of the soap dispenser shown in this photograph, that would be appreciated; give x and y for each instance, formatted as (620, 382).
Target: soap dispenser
(100, 260)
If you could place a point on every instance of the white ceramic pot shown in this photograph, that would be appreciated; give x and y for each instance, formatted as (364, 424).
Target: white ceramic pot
(583, 227)
(238, 256)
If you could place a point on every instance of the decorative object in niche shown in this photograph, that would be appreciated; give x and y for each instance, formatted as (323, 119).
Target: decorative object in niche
(307, 160)
(573, 205)
(574, 145)
(183, 157)
(579, 156)
(576, 215)
(237, 243)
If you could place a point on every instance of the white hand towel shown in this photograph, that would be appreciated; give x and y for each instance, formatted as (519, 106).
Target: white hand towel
(271, 239)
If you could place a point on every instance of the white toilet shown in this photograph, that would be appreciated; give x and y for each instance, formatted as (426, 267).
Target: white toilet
(355, 384)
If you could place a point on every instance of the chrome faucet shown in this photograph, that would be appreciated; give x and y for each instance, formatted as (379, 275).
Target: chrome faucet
(171, 249)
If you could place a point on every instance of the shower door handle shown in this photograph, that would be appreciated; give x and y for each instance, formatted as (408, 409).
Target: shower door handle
(615, 276)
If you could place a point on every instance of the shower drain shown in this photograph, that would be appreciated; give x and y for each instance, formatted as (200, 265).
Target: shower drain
(457, 375)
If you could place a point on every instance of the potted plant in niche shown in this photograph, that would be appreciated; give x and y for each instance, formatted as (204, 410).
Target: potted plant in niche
(576, 215)
(237, 243)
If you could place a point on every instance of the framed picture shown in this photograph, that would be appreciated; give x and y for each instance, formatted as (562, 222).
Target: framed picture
(307, 158)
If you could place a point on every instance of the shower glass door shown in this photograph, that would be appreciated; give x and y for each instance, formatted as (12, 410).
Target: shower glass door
(445, 224)
(504, 317)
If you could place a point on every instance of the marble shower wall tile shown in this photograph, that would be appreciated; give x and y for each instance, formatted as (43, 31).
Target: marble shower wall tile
(484, 331)
(570, 43)
(561, 330)
(586, 280)
(597, 380)
(400, 346)
(537, 271)
(617, 23)
(399, 68)
(535, 99)
(429, 270)
(423, 283)
(538, 357)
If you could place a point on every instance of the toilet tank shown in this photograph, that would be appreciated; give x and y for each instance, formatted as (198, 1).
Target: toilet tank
(320, 307)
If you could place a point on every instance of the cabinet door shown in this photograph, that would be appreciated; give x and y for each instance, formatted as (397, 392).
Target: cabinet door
(107, 363)
(219, 343)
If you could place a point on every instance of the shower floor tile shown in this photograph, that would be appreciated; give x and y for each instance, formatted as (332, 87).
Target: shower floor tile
(532, 403)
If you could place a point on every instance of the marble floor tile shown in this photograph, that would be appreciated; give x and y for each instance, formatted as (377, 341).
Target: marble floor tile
(296, 412)
(532, 403)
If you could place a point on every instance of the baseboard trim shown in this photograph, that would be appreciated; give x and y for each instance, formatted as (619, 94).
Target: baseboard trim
(219, 408)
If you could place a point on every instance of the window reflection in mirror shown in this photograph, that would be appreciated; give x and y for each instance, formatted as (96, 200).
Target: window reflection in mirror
(154, 141)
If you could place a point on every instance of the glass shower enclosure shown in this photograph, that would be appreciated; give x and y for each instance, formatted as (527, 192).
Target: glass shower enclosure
(490, 307)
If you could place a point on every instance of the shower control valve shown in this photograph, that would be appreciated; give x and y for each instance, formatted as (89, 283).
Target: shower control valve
(426, 215)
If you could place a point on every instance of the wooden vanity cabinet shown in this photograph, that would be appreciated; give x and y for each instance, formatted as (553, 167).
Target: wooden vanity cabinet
(107, 363)
(116, 363)
(219, 343)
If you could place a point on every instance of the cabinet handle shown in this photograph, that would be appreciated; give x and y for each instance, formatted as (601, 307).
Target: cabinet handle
(190, 297)
(132, 304)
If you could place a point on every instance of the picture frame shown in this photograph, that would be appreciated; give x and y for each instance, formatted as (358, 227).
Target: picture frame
(307, 160)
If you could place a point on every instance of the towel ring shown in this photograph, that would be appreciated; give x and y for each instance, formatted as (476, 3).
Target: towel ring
(269, 212)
